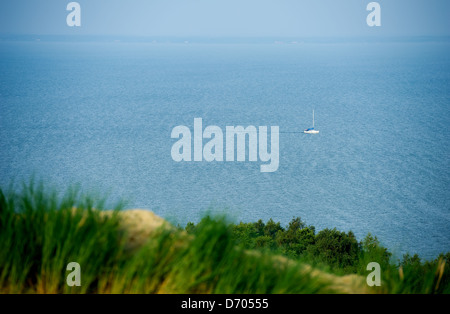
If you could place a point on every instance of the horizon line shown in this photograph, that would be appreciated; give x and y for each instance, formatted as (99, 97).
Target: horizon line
(220, 39)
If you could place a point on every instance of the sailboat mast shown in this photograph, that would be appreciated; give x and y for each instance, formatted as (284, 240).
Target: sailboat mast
(313, 118)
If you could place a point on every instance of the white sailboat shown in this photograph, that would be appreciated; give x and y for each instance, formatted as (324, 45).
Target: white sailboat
(311, 130)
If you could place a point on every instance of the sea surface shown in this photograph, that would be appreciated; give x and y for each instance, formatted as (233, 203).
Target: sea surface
(101, 115)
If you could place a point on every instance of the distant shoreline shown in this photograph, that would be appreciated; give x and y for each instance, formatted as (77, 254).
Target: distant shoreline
(223, 40)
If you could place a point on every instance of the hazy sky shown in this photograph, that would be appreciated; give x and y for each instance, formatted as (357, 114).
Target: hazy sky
(224, 18)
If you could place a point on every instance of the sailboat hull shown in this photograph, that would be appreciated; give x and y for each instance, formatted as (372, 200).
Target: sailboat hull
(311, 132)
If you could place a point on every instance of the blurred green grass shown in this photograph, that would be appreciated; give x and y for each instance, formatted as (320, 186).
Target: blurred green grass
(41, 232)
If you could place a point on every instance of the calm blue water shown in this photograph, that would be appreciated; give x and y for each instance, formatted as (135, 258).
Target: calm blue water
(101, 115)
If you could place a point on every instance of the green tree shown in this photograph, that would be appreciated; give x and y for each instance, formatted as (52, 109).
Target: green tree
(336, 248)
(271, 228)
(296, 239)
